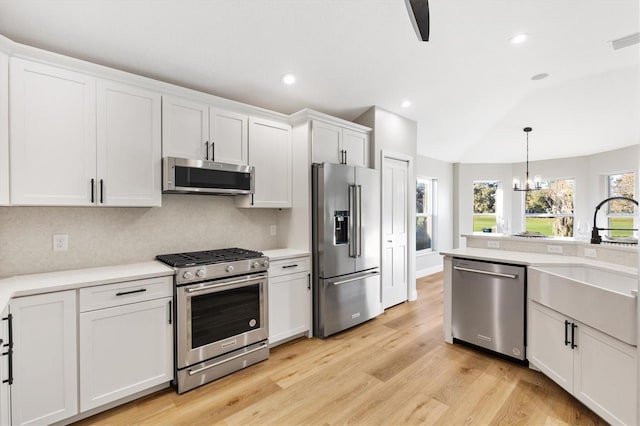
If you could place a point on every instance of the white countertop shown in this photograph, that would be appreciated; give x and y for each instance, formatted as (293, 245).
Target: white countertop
(286, 253)
(533, 259)
(27, 285)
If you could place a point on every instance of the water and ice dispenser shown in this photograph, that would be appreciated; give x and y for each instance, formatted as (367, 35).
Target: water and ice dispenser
(341, 227)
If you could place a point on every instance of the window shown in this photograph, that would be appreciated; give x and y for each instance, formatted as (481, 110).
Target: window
(619, 212)
(484, 205)
(426, 217)
(549, 211)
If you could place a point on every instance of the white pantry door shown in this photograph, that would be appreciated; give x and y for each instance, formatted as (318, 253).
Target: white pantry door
(395, 185)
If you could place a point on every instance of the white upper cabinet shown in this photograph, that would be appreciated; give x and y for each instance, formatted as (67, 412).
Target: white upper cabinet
(185, 128)
(331, 143)
(71, 146)
(4, 129)
(53, 135)
(228, 136)
(197, 131)
(270, 154)
(129, 146)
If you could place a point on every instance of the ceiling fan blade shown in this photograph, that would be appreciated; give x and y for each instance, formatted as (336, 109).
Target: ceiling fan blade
(419, 15)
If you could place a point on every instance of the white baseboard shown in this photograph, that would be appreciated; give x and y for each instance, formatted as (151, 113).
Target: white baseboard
(428, 271)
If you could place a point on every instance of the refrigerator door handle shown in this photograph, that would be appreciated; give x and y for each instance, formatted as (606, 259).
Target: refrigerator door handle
(353, 252)
(368, 274)
(358, 223)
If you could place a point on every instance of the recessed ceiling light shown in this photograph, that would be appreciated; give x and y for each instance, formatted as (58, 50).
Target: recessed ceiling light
(540, 76)
(519, 38)
(288, 79)
(405, 104)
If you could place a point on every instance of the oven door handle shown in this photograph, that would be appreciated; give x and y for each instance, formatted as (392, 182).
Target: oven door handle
(215, 364)
(224, 284)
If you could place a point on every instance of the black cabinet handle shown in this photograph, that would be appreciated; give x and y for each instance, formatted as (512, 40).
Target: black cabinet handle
(290, 266)
(566, 332)
(345, 156)
(308, 281)
(9, 319)
(573, 336)
(170, 312)
(101, 191)
(122, 293)
(213, 151)
(206, 150)
(93, 190)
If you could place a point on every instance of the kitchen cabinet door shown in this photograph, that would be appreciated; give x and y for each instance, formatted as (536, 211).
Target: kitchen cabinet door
(45, 368)
(270, 154)
(129, 146)
(326, 142)
(288, 306)
(4, 129)
(185, 128)
(53, 135)
(228, 137)
(546, 344)
(605, 375)
(124, 350)
(356, 145)
(5, 401)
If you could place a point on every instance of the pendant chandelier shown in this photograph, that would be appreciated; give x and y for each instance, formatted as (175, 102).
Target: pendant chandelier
(529, 185)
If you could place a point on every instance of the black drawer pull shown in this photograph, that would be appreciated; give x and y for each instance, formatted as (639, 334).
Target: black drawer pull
(573, 336)
(566, 333)
(122, 293)
(290, 266)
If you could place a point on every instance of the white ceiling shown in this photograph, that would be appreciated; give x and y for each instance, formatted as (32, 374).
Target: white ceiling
(471, 90)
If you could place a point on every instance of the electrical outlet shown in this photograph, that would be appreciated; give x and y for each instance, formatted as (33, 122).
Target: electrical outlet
(60, 242)
(273, 230)
(554, 249)
(590, 252)
(493, 244)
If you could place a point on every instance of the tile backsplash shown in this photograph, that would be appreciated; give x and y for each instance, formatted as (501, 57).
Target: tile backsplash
(100, 236)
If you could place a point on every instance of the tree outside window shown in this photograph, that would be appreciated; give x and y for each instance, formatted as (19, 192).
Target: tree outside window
(484, 205)
(620, 213)
(549, 211)
(426, 190)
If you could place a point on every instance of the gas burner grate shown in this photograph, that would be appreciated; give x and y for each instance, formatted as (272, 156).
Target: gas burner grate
(208, 257)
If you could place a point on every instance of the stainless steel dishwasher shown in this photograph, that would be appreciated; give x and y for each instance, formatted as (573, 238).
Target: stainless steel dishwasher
(488, 306)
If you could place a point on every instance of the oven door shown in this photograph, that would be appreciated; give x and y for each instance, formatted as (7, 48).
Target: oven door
(216, 317)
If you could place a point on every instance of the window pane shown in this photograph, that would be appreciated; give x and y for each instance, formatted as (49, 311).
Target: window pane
(552, 226)
(483, 223)
(484, 197)
(420, 196)
(555, 197)
(621, 223)
(622, 185)
(423, 233)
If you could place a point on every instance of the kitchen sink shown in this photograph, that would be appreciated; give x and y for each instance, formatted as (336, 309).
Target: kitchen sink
(601, 298)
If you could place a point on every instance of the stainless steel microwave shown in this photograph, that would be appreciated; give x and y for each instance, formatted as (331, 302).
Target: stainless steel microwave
(186, 176)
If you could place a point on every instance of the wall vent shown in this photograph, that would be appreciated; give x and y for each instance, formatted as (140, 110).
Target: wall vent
(626, 41)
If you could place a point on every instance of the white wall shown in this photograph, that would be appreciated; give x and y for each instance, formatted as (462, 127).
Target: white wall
(588, 172)
(111, 236)
(431, 262)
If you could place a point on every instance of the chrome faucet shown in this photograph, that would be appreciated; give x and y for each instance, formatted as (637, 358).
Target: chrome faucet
(595, 232)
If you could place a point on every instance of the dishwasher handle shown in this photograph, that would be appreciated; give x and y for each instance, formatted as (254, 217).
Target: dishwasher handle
(479, 271)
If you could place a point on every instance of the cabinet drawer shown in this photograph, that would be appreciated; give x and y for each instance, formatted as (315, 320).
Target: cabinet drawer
(105, 296)
(288, 266)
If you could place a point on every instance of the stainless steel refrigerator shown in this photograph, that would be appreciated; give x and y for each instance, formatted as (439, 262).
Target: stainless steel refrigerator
(346, 247)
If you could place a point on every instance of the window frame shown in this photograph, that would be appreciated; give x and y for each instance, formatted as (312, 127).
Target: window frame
(571, 215)
(430, 211)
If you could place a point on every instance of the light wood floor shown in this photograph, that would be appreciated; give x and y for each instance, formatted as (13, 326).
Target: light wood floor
(393, 370)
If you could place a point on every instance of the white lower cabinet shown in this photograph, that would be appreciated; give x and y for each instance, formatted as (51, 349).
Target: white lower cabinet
(596, 368)
(45, 374)
(289, 299)
(5, 373)
(124, 350)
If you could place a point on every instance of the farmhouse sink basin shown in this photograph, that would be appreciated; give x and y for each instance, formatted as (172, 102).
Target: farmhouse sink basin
(603, 299)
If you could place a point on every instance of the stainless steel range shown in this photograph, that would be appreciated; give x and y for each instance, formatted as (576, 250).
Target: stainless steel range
(220, 311)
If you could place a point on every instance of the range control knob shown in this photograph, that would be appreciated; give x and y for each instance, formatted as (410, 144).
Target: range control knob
(265, 263)
(255, 265)
(187, 275)
(200, 273)
(229, 268)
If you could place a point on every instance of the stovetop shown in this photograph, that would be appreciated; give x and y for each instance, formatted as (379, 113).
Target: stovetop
(208, 257)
